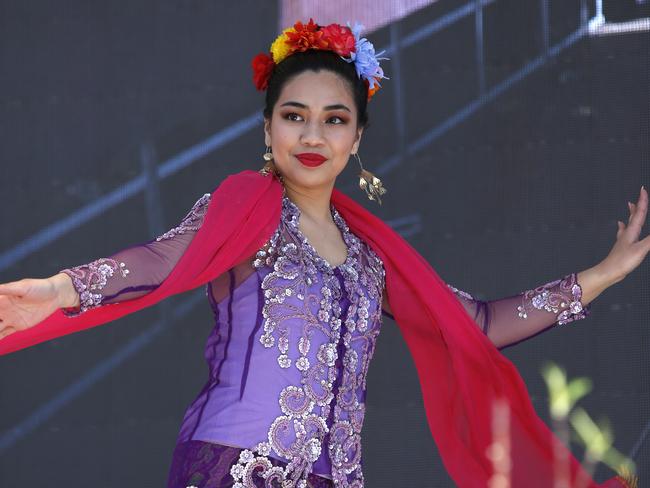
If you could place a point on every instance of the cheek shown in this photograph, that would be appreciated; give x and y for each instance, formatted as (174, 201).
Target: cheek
(344, 142)
(284, 136)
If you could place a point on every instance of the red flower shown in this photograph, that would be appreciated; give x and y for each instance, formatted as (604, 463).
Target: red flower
(340, 39)
(262, 68)
(307, 36)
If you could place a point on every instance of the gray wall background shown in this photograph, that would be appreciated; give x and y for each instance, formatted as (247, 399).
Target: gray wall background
(524, 190)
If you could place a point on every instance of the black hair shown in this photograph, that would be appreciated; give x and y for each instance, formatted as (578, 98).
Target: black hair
(316, 60)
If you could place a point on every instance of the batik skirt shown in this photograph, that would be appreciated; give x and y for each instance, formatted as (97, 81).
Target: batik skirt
(207, 465)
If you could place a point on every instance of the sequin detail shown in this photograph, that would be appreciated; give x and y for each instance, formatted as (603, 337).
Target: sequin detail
(202, 464)
(331, 349)
(562, 297)
(461, 293)
(89, 279)
(192, 221)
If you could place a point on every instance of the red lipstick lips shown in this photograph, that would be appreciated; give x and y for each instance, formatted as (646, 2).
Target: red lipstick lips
(311, 159)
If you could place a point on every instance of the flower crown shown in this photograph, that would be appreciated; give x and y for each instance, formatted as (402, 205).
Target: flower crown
(344, 41)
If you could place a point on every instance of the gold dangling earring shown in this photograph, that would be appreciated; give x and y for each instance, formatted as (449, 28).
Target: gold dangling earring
(269, 167)
(370, 183)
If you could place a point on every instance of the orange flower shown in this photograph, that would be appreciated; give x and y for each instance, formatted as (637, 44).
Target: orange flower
(372, 91)
(306, 36)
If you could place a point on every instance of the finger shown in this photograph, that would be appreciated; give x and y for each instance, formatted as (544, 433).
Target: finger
(645, 242)
(6, 331)
(630, 207)
(639, 215)
(621, 228)
(641, 194)
(13, 288)
(642, 201)
(642, 205)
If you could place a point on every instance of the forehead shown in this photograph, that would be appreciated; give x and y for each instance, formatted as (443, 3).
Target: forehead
(317, 89)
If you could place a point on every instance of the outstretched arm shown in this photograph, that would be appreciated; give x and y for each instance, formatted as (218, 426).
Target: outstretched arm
(510, 320)
(131, 272)
(125, 275)
(627, 253)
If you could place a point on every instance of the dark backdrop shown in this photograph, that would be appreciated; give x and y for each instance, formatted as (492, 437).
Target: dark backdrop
(505, 170)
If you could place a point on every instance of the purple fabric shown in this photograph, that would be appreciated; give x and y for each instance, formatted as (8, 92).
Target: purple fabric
(207, 465)
(544, 307)
(135, 270)
(149, 263)
(251, 338)
(223, 411)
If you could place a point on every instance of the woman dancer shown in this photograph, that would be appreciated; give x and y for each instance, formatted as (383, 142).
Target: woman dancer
(298, 277)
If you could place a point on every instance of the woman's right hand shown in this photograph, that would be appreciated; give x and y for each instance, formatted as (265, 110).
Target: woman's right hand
(26, 302)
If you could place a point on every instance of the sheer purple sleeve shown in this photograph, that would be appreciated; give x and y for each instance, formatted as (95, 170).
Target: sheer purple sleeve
(509, 320)
(136, 270)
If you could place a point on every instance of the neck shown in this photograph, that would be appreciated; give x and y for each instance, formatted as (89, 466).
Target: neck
(314, 203)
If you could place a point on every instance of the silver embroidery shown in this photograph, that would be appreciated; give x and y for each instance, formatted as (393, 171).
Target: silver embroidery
(562, 297)
(90, 278)
(460, 293)
(304, 286)
(192, 221)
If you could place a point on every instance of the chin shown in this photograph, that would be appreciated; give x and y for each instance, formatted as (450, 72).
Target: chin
(310, 177)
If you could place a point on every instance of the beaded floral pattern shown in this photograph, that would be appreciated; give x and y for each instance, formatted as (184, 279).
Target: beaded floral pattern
(198, 464)
(461, 293)
(89, 279)
(192, 221)
(303, 296)
(562, 297)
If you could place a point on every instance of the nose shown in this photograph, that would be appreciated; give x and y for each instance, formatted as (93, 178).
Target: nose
(311, 134)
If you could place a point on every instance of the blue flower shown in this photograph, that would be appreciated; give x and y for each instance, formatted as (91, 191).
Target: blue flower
(366, 62)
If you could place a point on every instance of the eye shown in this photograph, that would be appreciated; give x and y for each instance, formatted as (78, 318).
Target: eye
(342, 121)
(290, 114)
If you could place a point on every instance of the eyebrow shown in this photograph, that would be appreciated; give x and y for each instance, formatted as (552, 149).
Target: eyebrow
(336, 106)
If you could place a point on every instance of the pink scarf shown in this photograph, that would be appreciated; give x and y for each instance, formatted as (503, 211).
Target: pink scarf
(462, 374)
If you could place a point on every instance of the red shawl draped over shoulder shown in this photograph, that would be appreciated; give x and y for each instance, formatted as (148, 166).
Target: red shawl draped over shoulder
(462, 374)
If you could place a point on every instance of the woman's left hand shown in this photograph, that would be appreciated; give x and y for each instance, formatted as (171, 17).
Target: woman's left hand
(628, 252)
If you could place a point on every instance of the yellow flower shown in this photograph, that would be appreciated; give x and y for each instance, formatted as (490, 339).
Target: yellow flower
(280, 49)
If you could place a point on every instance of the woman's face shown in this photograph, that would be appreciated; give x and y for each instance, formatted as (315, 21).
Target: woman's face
(315, 113)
